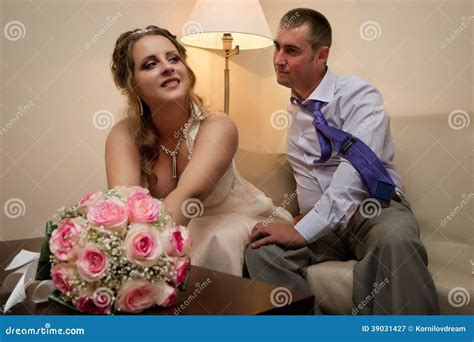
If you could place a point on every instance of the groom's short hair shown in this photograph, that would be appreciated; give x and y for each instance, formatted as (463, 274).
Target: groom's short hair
(320, 29)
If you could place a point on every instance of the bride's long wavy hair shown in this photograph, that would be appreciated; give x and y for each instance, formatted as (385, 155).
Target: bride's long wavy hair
(122, 67)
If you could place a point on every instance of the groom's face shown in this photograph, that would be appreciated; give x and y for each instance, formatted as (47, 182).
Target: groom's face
(293, 59)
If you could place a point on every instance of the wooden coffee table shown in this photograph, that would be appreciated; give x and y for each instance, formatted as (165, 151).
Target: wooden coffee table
(208, 293)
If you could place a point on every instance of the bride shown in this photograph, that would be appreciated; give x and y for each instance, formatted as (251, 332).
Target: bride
(181, 153)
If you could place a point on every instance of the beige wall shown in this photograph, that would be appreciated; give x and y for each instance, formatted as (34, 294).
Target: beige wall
(55, 80)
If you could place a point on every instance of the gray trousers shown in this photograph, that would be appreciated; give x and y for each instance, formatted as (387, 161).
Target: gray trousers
(390, 278)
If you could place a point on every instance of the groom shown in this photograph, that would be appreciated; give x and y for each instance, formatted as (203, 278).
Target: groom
(341, 151)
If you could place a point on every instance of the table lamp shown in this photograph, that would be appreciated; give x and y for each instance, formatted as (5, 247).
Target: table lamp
(219, 24)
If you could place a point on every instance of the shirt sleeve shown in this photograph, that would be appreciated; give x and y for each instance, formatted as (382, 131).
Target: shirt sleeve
(365, 117)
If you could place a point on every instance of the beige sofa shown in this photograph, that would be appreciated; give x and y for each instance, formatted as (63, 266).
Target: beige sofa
(435, 161)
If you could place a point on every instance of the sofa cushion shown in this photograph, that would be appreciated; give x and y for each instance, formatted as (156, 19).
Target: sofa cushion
(453, 276)
(334, 294)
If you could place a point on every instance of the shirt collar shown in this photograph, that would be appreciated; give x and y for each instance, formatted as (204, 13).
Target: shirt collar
(324, 92)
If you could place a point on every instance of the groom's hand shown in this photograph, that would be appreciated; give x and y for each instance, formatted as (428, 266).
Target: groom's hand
(281, 234)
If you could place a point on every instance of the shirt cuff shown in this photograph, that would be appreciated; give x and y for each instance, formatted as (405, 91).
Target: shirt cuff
(312, 226)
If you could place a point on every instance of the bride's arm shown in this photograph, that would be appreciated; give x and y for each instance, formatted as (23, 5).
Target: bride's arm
(214, 148)
(213, 151)
(122, 160)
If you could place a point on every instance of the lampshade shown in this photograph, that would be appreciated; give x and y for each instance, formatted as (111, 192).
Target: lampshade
(244, 19)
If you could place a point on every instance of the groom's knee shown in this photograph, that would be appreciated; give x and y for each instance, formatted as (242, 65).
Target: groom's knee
(261, 255)
(256, 260)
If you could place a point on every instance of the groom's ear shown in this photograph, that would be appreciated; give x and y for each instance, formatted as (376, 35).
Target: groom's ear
(321, 56)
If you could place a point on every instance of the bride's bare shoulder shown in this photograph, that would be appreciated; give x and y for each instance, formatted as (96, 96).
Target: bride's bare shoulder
(219, 127)
(120, 132)
(218, 121)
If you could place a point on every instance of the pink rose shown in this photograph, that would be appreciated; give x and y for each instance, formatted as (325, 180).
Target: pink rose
(135, 296)
(143, 208)
(129, 191)
(142, 244)
(91, 263)
(66, 237)
(182, 268)
(176, 241)
(165, 294)
(74, 254)
(111, 214)
(91, 199)
(62, 274)
(87, 304)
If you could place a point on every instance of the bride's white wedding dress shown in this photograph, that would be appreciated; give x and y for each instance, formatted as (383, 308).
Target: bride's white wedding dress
(221, 234)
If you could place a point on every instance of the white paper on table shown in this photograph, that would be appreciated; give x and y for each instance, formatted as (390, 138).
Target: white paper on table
(42, 291)
(19, 280)
(12, 279)
(22, 258)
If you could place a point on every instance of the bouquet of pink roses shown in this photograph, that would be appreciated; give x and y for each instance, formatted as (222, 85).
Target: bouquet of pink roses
(118, 251)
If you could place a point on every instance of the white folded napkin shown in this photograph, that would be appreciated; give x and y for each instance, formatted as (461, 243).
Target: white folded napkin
(18, 281)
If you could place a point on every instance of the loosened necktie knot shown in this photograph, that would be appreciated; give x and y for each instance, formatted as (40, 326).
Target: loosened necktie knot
(314, 105)
(310, 105)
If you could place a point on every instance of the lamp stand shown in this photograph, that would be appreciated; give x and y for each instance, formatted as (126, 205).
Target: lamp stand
(227, 46)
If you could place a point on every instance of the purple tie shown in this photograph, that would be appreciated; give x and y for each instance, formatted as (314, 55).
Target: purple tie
(365, 161)
(324, 142)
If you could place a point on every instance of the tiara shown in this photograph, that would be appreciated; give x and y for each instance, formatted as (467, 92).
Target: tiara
(137, 31)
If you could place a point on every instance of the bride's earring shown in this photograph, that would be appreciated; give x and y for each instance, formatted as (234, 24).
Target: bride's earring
(141, 107)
